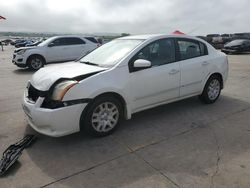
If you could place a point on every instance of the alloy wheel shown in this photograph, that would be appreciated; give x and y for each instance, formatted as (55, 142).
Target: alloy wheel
(105, 117)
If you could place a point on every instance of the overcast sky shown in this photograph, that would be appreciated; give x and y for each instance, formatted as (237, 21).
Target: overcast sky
(132, 16)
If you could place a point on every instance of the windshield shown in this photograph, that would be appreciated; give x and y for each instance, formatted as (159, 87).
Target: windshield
(235, 42)
(46, 42)
(111, 53)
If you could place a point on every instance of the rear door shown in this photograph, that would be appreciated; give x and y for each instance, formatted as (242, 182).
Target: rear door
(193, 65)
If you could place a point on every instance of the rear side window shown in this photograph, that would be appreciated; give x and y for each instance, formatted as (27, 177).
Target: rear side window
(190, 48)
(203, 49)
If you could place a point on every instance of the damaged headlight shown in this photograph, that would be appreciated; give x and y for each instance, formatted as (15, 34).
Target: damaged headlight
(61, 88)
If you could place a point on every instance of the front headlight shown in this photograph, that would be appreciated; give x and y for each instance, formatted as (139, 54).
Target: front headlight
(21, 52)
(61, 88)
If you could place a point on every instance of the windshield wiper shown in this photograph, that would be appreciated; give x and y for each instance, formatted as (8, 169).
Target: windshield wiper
(89, 63)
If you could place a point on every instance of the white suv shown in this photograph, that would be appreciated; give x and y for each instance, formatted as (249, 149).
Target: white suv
(122, 77)
(54, 49)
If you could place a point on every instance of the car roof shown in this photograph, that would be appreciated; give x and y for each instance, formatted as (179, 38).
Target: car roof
(156, 36)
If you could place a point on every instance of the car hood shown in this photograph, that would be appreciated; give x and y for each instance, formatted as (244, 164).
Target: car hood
(44, 78)
(24, 48)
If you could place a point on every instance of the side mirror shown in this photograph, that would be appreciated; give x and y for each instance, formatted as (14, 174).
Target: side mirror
(142, 64)
(51, 44)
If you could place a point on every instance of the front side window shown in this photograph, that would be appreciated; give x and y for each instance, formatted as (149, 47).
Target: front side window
(158, 53)
(58, 42)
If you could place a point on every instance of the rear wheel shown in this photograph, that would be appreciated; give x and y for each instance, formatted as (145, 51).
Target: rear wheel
(35, 62)
(212, 90)
(102, 117)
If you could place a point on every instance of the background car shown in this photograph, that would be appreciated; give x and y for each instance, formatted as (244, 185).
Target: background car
(34, 43)
(120, 78)
(54, 49)
(237, 46)
(23, 43)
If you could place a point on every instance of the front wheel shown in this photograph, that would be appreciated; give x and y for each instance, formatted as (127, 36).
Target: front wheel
(102, 117)
(212, 90)
(35, 62)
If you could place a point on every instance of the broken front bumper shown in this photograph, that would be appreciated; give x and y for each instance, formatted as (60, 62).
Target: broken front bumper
(52, 122)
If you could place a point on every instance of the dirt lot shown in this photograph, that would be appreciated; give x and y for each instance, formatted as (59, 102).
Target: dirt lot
(183, 144)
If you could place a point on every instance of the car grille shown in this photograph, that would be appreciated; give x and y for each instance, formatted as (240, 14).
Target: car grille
(33, 93)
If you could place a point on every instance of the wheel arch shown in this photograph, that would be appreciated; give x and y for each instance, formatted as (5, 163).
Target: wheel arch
(120, 98)
(33, 55)
(217, 74)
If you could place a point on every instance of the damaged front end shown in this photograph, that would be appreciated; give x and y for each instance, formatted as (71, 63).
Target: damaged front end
(53, 98)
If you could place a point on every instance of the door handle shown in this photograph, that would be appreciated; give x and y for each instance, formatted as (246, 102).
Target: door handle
(205, 63)
(174, 71)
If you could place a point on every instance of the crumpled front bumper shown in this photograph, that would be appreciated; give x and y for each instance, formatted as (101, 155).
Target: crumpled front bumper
(52, 122)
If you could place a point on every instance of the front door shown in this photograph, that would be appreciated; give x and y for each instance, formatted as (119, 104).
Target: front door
(159, 83)
(58, 50)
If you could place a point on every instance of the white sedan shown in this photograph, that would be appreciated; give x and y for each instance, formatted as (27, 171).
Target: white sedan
(122, 77)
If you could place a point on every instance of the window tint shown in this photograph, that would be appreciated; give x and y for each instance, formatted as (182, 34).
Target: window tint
(159, 52)
(68, 41)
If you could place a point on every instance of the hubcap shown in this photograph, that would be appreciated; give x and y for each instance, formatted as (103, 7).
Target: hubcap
(36, 63)
(213, 89)
(105, 117)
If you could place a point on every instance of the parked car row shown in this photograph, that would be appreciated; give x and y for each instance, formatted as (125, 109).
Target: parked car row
(229, 43)
(54, 49)
(116, 80)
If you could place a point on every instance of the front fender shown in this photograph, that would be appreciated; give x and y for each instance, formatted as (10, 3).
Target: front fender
(101, 83)
(29, 53)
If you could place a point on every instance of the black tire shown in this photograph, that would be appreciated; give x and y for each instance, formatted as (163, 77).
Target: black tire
(35, 62)
(206, 95)
(87, 118)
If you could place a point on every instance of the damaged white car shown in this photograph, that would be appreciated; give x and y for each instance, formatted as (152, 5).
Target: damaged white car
(122, 77)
